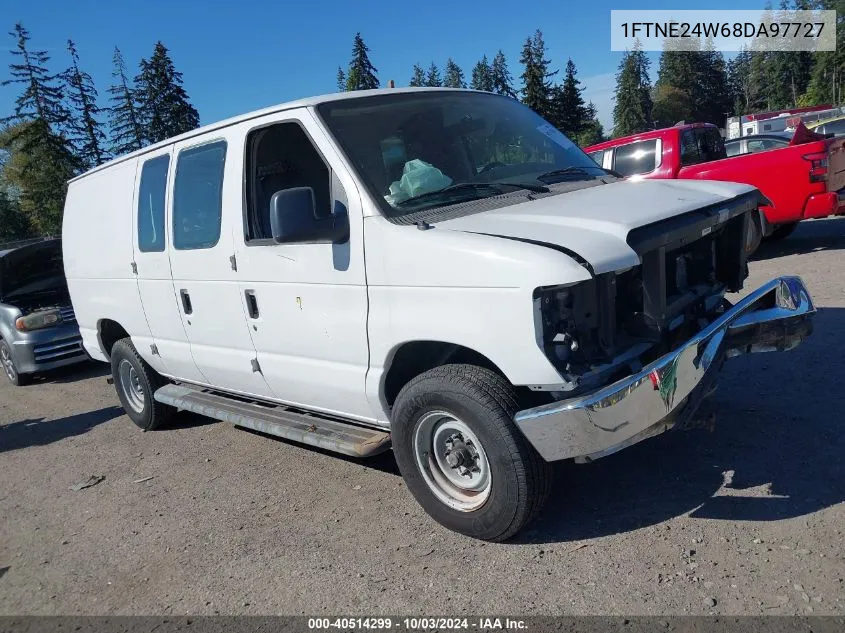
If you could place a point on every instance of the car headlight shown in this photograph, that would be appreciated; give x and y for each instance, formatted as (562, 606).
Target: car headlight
(38, 320)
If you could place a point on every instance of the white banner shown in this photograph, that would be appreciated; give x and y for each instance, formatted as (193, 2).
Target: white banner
(689, 30)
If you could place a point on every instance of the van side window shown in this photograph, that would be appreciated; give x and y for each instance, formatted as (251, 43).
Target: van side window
(598, 156)
(280, 157)
(198, 196)
(636, 158)
(151, 204)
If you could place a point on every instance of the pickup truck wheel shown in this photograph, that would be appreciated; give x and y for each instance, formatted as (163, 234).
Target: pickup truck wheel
(135, 382)
(461, 455)
(782, 231)
(9, 368)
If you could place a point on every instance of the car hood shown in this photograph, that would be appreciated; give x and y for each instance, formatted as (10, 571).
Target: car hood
(34, 267)
(593, 223)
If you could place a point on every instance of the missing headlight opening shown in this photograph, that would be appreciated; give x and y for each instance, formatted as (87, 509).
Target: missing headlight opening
(611, 326)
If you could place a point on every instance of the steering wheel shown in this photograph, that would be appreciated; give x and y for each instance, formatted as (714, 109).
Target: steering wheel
(490, 166)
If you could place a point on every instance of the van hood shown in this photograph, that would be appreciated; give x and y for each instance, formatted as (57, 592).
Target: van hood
(33, 267)
(593, 224)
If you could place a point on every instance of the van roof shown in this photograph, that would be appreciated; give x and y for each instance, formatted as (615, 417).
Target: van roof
(290, 105)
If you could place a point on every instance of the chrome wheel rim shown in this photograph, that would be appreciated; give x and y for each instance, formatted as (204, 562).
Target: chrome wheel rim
(130, 386)
(452, 461)
(8, 365)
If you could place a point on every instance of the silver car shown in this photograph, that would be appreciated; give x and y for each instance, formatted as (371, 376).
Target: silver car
(38, 329)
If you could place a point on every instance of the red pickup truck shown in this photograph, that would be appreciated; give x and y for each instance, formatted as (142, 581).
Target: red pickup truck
(804, 180)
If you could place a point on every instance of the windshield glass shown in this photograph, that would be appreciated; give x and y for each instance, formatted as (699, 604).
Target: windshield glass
(422, 150)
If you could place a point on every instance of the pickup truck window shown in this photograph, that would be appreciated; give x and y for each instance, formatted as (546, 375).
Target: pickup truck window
(416, 151)
(636, 158)
(198, 196)
(280, 157)
(598, 156)
(151, 194)
(701, 145)
(761, 145)
(834, 127)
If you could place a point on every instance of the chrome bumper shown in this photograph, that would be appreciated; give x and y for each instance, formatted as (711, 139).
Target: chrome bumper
(775, 317)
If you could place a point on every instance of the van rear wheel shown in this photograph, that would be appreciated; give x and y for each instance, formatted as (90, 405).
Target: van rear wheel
(462, 456)
(136, 382)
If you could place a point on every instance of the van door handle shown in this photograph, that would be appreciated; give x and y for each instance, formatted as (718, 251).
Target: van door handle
(186, 301)
(251, 304)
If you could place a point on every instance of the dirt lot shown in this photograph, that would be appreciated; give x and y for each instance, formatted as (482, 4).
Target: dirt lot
(746, 519)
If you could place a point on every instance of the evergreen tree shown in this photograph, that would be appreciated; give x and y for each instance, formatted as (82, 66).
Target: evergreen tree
(454, 77)
(418, 77)
(745, 82)
(85, 135)
(341, 80)
(676, 91)
(362, 73)
(40, 160)
(432, 77)
(692, 85)
(164, 107)
(537, 87)
(788, 73)
(501, 77)
(713, 93)
(826, 76)
(38, 168)
(568, 112)
(41, 97)
(13, 223)
(127, 133)
(592, 131)
(482, 76)
(632, 111)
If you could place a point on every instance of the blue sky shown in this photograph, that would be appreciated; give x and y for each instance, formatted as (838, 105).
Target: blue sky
(243, 55)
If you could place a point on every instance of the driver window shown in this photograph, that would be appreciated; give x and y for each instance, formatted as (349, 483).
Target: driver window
(281, 157)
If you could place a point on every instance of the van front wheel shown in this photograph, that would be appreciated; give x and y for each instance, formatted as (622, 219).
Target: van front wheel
(135, 382)
(462, 456)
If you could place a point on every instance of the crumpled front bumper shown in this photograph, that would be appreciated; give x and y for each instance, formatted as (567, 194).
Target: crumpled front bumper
(775, 317)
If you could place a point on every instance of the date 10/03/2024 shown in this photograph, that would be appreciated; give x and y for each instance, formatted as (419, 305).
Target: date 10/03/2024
(418, 623)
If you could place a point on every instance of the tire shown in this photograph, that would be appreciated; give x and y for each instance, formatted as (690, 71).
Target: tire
(10, 369)
(782, 231)
(136, 382)
(474, 408)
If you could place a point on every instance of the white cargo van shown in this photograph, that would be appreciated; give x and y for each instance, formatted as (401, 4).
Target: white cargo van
(439, 271)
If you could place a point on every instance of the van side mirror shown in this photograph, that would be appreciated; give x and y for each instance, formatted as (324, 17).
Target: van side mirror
(293, 219)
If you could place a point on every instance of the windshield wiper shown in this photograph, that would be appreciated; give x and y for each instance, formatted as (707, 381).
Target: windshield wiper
(567, 171)
(464, 188)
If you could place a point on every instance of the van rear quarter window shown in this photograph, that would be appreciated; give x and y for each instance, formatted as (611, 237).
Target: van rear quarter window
(198, 196)
(151, 195)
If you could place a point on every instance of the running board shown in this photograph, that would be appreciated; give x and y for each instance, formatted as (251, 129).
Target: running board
(282, 421)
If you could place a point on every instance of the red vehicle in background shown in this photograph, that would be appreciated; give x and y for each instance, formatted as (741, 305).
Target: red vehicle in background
(804, 180)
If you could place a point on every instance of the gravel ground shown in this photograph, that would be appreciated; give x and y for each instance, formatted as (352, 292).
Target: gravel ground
(205, 518)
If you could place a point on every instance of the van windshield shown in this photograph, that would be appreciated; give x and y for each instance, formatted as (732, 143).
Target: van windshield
(422, 150)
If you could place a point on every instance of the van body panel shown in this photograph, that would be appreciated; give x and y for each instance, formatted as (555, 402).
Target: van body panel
(97, 245)
(310, 335)
(207, 287)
